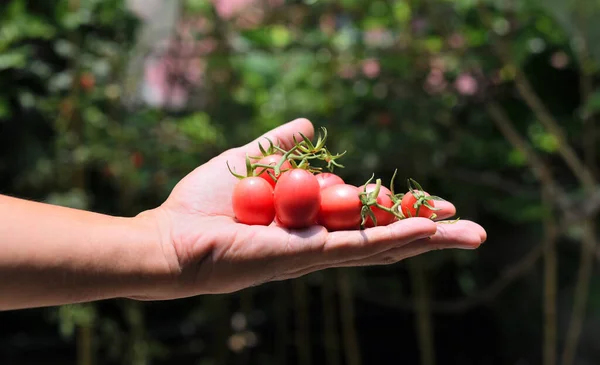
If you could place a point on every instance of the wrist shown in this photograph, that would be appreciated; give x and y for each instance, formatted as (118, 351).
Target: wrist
(158, 264)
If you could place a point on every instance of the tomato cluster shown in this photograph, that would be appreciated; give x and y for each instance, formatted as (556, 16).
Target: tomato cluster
(290, 188)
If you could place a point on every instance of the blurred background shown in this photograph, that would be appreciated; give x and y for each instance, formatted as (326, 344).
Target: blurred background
(105, 105)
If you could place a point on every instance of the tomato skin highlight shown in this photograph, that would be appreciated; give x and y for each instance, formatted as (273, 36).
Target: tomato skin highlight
(340, 208)
(327, 179)
(271, 160)
(297, 197)
(253, 202)
(383, 218)
(408, 208)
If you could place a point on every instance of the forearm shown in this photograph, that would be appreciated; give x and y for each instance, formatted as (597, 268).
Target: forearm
(51, 255)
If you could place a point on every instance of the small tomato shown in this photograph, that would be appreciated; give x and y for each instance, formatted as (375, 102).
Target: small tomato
(383, 198)
(297, 196)
(327, 179)
(340, 208)
(252, 201)
(413, 206)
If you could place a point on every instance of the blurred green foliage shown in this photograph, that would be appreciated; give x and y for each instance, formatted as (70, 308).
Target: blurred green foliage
(398, 84)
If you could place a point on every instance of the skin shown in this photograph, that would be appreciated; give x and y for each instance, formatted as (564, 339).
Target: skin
(190, 245)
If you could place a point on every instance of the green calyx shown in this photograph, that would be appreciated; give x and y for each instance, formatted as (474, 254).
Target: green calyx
(307, 151)
(264, 153)
(421, 199)
(369, 200)
(300, 156)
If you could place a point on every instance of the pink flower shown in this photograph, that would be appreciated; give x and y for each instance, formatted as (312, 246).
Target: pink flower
(559, 60)
(377, 37)
(228, 9)
(466, 84)
(435, 82)
(158, 90)
(371, 68)
(456, 40)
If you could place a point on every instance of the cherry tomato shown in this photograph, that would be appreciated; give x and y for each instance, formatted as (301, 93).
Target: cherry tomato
(137, 159)
(383, 218)
(327, 179)
(340, 207)
(297, 198)
(253, 201)
(271, 160)
(87, 81)
(412, 208)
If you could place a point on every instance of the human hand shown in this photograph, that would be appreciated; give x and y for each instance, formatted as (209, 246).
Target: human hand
(208, 252)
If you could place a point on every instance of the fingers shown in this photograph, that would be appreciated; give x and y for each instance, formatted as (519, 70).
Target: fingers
(354, 245)
(461, 235)
(446, 211)
(282, 135)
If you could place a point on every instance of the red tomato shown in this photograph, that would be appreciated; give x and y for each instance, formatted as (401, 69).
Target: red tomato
(412, 208)
(297, 198)
(383, 218)
(340, 207)
(137, 159)
(87, 81)
(253, 201)
(271, 160)
(326, 179)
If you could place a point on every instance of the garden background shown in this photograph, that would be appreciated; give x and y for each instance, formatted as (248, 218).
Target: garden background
(492, 104)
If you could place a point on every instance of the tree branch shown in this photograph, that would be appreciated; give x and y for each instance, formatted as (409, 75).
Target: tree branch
(576, 165)
(421, 302)
(532, 100)
(550, 282)
(581, 293)
(493, 180)
(586, 260)
(331, 337)
(302, 316)
(541, 171)
(489, 293)
(347, 317)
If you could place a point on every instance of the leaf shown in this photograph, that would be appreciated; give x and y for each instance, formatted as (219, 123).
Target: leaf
(579, 20)
(541, 139)
(516, 158)
(592, 106)
(197, 6)
(402, 11)
(5, 111)
(199, 129)
(15, 59)
(280, 36)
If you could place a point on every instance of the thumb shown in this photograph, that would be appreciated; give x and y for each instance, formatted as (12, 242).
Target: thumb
(282, 136)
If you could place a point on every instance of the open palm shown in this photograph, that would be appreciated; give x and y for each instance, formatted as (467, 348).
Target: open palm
(214, 254)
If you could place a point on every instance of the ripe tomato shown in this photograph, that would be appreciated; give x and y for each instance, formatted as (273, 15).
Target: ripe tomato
(340, 208)
(253, 201)
(326, 179)
(271, 160)
(297, 198)
(137, 159)
(413, 207)
(383, 218)
(87, 81)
